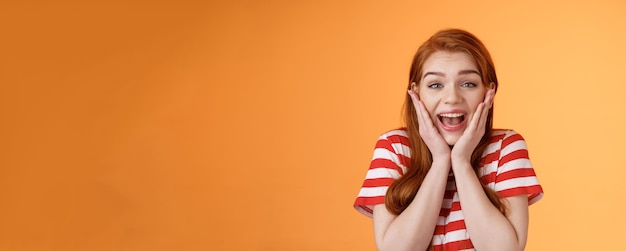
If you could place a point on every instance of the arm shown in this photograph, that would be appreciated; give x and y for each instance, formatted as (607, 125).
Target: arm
(488, 228)
(413, 228)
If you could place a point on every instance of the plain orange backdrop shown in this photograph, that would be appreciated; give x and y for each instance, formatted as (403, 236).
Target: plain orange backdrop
(249, 125)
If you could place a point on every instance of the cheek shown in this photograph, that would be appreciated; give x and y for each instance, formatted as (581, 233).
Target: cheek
(475, 100)
(428, 98)
(430, 104)
(432, 113)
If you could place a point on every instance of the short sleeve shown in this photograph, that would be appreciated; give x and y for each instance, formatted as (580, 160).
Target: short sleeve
(515, 175)
(391, 154)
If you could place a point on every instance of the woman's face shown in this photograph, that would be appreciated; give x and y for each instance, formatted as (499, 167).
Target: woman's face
(451, 89)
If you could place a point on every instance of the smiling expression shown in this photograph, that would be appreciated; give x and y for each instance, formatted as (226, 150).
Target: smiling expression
(451, 89)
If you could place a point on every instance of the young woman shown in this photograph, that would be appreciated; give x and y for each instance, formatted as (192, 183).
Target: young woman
(448, 180)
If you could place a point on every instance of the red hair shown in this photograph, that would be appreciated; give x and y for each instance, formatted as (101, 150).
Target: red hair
(403, 190)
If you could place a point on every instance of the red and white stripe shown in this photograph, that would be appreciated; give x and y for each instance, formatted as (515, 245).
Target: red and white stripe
(505, 167)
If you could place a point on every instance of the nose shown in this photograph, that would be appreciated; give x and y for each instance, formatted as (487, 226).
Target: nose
(452, 95)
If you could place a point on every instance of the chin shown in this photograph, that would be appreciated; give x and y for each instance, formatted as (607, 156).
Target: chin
(451, 139)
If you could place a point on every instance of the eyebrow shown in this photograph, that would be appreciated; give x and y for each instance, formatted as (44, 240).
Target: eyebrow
(441, 74)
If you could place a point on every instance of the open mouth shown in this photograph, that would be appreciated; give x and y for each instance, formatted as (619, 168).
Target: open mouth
(451, 119)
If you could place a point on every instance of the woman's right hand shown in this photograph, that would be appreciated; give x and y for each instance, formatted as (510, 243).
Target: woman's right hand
(429, 133)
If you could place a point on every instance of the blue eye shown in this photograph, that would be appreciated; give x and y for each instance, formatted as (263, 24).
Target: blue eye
(435, 85)
(468, 84)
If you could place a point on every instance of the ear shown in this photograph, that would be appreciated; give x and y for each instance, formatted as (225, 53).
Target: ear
(414, 86)
(492, 85)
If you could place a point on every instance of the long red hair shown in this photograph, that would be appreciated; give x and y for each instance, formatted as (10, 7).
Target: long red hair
(403, 190)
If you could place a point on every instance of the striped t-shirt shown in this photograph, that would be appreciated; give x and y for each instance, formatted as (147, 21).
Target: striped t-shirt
(505, 168)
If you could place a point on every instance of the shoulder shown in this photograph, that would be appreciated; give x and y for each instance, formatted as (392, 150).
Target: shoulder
(504, 133)
(514, 172)
(396, 140)
(394, 146)
(399, 134)
(508, 148)
(506, 137)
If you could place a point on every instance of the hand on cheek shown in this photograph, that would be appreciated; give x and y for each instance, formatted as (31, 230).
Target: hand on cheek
(429, 133)
(463, 149)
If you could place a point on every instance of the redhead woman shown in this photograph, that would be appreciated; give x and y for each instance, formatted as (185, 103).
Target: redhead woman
(448, 180)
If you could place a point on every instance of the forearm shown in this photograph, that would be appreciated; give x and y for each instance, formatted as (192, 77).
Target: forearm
(488, 228)
(413, 229)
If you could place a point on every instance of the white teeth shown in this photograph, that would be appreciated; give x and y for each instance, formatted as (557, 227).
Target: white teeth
(451, 115)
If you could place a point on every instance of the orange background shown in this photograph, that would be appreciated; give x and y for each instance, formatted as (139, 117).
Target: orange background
(249, 125)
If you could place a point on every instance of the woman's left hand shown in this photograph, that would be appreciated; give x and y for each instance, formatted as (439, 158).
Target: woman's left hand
(464, 147)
